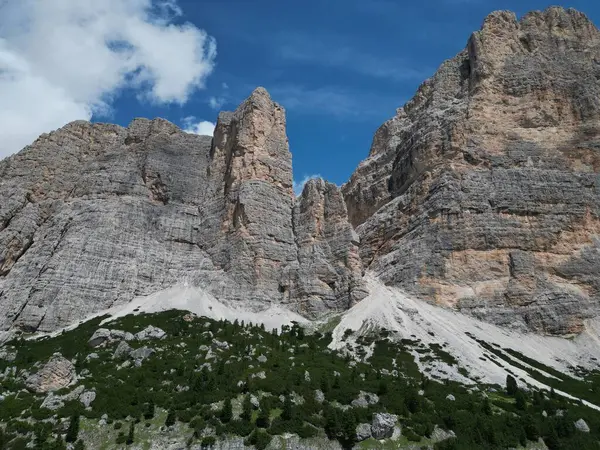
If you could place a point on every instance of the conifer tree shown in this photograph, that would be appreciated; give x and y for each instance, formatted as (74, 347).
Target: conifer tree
(73, 430)
(287, 408)
(511, 385)
(149, 412)
(227, 411)
(130, 435)
(170, 421)
(247, 408)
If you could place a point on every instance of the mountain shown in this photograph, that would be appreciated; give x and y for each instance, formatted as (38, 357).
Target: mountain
(481, 195)
(163, 290)
(95, 215)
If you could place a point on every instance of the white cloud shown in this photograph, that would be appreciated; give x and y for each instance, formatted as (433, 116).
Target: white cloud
(202, 127)
(64, 60)
(216, 102)
(299, 185)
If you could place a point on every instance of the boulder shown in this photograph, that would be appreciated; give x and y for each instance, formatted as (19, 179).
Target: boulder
(140, 354)
(363, 431)
(150, 332)
(441, 435)
(8, 353)
(220, 345)
(87, 397)
(319, 396)
(100, 336)
(582, 426)
(92, 356)
(383, 425)
(52, 402)
(365, 399)
(56, 374)
(123, 350)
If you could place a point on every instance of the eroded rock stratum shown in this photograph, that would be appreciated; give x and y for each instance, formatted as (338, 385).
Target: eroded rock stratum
(481, 194)
(93, 215)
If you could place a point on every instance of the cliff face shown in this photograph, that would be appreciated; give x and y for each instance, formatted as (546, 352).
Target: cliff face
(93, 215)
(483, 192)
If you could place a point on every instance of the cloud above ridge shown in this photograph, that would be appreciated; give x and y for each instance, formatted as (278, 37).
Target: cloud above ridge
(64, 60)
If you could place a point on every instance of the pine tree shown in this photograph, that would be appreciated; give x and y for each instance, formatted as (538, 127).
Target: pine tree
(170, 421)
(288, 412)
(531, 429)
(333, 426)
(73, 430)
(537, 398)
(149, 413)
(130, 435)
(324, 385)
(520, 400)
(336, 382)
(551, 440)
(348, 429)
(227, 411)
(383, 387)
(487, 407)
(263, 421)
(247, 408)
(511, 385)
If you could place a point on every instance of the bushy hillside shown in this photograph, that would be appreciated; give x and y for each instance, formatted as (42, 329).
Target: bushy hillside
(175, 380)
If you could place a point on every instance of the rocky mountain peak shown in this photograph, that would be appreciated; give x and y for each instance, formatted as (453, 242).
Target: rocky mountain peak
(95, 215)
(491, 166)
(479, 194)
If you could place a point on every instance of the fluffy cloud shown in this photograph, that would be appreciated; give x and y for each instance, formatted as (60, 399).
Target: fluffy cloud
(299, 185)
(202, 127)
(64, 60)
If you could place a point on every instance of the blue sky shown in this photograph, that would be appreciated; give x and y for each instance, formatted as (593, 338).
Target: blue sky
(339, 67)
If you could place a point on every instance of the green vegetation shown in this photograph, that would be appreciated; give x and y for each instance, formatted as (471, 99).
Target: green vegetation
(210, 380)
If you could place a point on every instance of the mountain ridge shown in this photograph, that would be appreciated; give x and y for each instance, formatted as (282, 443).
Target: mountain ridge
(480, 194)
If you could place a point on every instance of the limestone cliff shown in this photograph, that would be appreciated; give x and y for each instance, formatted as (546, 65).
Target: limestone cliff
(94, 215)
(483, 192)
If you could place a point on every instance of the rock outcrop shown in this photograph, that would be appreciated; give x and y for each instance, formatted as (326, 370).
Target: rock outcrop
(94, 215)
(57, 373)
(383, 424)
(482, 193)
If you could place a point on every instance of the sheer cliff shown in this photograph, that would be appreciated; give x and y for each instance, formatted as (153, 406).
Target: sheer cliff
(482, 193)
(94, 215)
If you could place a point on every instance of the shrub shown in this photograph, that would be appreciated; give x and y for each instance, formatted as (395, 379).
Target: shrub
(259, 438)
(411, 435)
(208, 441)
